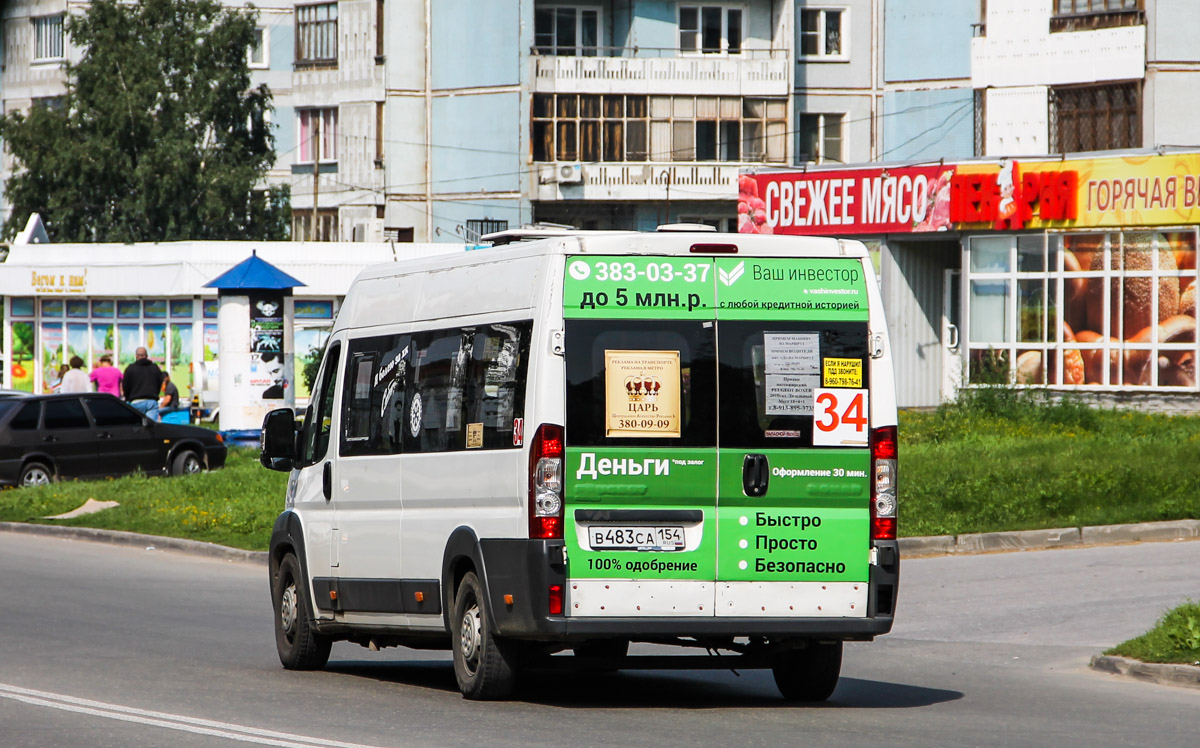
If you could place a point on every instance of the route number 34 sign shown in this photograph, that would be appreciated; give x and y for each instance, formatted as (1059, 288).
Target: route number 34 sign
(840, 417)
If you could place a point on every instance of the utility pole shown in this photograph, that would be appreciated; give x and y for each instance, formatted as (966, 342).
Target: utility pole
(316, 221)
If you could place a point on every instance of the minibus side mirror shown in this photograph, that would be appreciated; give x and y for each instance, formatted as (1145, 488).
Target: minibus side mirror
(278, 450)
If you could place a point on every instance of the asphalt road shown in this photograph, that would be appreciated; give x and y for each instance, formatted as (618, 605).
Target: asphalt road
(111, 647)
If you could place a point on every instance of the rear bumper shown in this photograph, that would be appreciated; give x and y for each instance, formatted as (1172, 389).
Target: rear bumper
(526, 569)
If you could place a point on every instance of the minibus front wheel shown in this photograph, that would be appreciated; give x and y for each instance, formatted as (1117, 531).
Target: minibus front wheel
(485, 666)
(809, 673)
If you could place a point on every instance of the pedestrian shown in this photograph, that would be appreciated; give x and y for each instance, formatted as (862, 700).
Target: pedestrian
(62, 371)
(169, 402)
(76, 379)
(142, 383)
(107, 377)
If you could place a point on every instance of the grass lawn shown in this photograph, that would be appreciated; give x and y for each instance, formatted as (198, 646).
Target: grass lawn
(1175, 638)
(1000, 459)
(1006, 460)
(235, 506)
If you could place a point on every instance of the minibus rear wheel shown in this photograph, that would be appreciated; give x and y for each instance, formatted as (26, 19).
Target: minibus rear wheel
(810, 673)
(485, 666)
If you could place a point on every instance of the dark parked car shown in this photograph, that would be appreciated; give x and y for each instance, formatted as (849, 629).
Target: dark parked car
(95, 435)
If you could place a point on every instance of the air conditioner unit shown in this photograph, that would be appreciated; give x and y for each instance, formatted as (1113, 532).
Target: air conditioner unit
(569, 173)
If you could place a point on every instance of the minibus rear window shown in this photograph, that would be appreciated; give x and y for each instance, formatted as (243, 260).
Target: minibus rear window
(676, 391)
(768, 371)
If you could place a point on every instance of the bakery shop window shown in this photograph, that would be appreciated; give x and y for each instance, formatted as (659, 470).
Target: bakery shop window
(1090, 310)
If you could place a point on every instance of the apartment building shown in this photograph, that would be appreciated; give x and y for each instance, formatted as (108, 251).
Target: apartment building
(1034, 192)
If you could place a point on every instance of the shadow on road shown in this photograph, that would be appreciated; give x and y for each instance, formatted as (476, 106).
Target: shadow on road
(640, 689)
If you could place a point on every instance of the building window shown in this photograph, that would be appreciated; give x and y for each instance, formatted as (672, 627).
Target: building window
(481, 226)
(379, 107)
(324, 230)
(822, 32)
(259, 49)
(710, 29)
(379, 16)
(1083, 15)
(615, 128)
(566, 31)
(1096, 118)
(820, 139)
(317, 33)
(48, 38)
(1084, 309)
(318, 130)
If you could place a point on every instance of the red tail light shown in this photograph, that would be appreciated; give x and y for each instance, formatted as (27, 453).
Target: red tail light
(546, 483)
(884, 452)
(556, 600)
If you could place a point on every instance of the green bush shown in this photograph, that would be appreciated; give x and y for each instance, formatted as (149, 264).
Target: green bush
(1175, 638)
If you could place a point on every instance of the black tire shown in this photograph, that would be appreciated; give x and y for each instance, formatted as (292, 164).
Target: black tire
(35, 474)
(485, 666)
(187, 462)
(809, 674)
(300, 647)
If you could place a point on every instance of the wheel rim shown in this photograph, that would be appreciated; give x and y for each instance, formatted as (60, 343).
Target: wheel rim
(36, 477)
(287, 609)
(191, 464)
(470, 636)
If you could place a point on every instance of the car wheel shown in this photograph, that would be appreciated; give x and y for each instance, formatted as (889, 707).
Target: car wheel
(485, 666)
(35, 474)
(809, 674)
(186, 463)
(300, 647)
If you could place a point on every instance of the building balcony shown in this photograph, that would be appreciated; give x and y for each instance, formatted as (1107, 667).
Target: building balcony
(635, 181)
(764, 72)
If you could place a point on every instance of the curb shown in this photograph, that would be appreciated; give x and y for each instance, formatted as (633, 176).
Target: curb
(149, 542)
(1187, 676)
(1036, 540)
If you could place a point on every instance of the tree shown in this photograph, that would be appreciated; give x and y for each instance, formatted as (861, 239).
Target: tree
(160, 135)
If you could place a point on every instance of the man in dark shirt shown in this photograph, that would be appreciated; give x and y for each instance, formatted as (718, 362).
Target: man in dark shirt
(141, 383)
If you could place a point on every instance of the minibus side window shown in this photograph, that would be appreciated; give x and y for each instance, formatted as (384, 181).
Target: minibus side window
(318, 425)
(373, 415)
(466, 387)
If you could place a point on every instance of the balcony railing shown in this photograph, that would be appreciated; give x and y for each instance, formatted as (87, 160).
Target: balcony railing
(753, 72)
(648, 181)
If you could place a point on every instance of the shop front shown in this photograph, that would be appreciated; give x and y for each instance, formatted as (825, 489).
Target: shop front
(1070, 273)
(98, 301)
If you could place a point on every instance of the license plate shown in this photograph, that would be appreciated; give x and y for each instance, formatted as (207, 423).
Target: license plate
(635, 538)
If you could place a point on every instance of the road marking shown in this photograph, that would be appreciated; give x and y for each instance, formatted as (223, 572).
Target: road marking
(225, 730)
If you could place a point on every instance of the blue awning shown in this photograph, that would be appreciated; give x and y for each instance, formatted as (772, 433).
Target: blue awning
(253, 273)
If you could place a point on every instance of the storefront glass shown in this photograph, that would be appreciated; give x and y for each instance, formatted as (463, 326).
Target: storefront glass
(1127, 303)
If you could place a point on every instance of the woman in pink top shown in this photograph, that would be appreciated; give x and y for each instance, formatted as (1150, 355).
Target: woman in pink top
(107, 377)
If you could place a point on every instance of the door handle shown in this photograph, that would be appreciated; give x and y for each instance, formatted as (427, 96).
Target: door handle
(327, 481)
(756, 475)
(104, 435)
(49, 438)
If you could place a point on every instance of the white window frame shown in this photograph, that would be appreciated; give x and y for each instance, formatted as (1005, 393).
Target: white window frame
(329, 141)
(41, 40)
(581, 50)
(698, 47)
(263, 47)
(843, 54)
(820, 154)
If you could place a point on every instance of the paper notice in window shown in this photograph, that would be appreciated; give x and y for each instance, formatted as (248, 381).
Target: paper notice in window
(474, 435)
(792, 352)
(843, 372)
(790, 394)
(641, 394)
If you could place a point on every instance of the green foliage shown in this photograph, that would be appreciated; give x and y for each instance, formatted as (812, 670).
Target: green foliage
(234, 506)
(160, 136)
(1007, 459)
(1175, 638)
